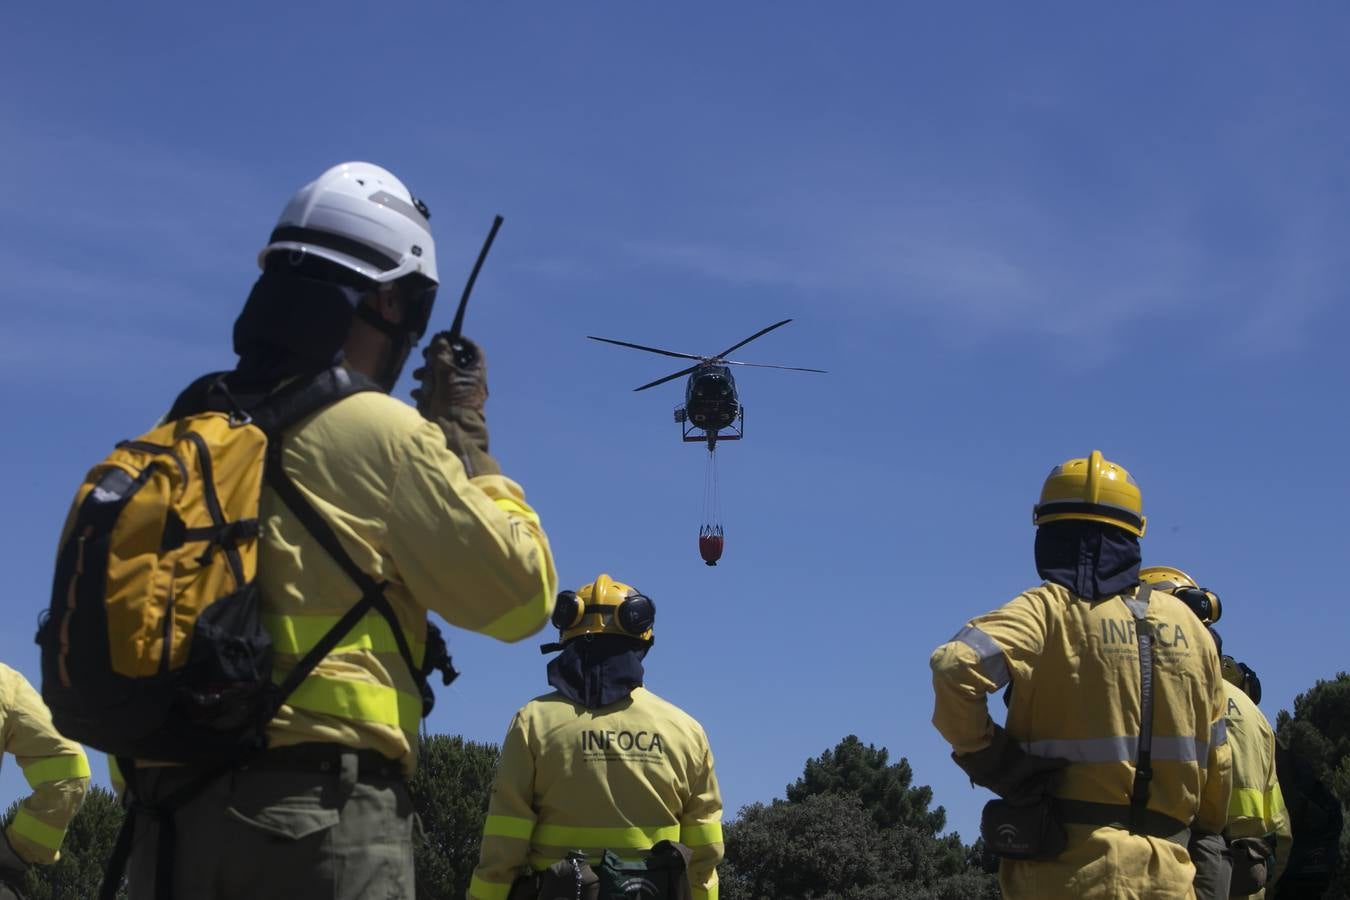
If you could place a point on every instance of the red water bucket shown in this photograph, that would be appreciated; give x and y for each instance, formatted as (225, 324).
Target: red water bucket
(710, 542)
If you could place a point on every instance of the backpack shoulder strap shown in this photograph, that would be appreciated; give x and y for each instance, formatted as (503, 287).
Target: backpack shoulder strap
(194, 398)
(282, 409)
(277, 413)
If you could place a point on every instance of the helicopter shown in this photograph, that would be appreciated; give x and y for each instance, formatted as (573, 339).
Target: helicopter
(711, 403)
(711, 406)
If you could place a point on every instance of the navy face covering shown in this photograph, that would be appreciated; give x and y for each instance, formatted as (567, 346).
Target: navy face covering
(597, 670)
(1092, 559)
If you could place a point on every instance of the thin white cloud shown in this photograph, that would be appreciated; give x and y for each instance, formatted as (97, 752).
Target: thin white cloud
(1020, 264)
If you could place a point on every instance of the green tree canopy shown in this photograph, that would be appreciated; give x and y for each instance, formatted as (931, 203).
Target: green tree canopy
(852, 827)
(883, 788)
(1318, 733)
(84, 853)
(450, 793)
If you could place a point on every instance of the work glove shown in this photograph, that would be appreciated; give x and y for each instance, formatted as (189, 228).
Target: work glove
(452, 392)
(1009, 771)
(1213, 866)
(450, 380)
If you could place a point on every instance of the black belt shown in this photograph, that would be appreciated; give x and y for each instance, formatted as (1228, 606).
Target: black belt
(1112, 815)
(324, 757)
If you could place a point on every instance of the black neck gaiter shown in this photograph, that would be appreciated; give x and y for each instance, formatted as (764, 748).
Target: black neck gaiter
(598, 670)
(1092, 559)
(291, 325)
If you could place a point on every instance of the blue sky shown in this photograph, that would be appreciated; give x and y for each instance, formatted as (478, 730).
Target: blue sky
(1012, 235)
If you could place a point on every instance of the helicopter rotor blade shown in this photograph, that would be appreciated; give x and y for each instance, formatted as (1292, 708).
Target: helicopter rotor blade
(670, 377)
(648, 349)
(757, 334)
(732, 362)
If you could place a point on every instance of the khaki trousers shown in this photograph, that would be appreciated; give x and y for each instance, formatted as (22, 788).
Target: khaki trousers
(269, 834)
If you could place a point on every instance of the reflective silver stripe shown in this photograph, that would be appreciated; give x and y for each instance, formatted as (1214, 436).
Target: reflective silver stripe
(1179, 749)
(1119, 749)
(992, 663)
(1090, 750)
(399, 205)
(1219, 733)
(1137, 609)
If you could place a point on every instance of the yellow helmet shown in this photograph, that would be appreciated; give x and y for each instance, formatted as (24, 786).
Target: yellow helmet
(1240, 675)
(1093, 489)
(1202, 601)
(1166, 578)
(604, 606)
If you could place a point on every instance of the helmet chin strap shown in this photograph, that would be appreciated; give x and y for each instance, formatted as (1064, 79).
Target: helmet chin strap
(401, 343)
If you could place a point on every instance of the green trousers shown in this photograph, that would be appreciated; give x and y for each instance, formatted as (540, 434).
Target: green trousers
(269, 834)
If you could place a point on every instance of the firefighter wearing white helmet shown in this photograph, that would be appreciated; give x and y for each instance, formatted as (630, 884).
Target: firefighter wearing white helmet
(1258, 829)
(1112, 760)
(601, 766)
(404, 503)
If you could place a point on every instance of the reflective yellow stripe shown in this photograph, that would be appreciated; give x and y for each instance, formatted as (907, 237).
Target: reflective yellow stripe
(119, 782)
(701, 835)
(54, 768)
(1246, 803)
(609, 838)
(297, 634)
(507, 505)
(709, 894)
(359, 700)
(44, 835)
(1275, 801)
(487, 890)
(525, 620)
(508, 827)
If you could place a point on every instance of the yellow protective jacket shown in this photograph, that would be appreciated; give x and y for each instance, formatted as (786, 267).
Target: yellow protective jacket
(55, 768)
(618, 778)
(468, 549)
(1074, 670)
(1256, 806)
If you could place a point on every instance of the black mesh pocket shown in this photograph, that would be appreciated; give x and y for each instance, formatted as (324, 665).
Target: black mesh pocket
(229, 668)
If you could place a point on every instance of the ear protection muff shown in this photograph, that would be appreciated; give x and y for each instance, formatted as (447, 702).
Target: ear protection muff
(1241, 675)
(568, 611)
(635, 616)
(1205, 604)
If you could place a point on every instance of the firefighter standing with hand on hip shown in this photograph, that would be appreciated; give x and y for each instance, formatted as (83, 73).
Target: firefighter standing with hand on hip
(1100, 795)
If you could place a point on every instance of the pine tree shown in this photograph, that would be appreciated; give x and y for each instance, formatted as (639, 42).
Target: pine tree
(84, 853)
(450, 793)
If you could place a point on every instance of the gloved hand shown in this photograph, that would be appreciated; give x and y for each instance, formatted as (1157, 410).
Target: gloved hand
(450, 381)
(1213, 865)
(452, 393)
(1009, 771)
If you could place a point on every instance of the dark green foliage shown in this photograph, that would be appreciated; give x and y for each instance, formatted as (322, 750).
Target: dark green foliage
(885, 792)
(1319, 732)
(852, 827)
(88, 844)
(450, 793)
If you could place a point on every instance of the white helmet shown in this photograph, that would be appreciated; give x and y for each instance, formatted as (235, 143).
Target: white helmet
(361, 217)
